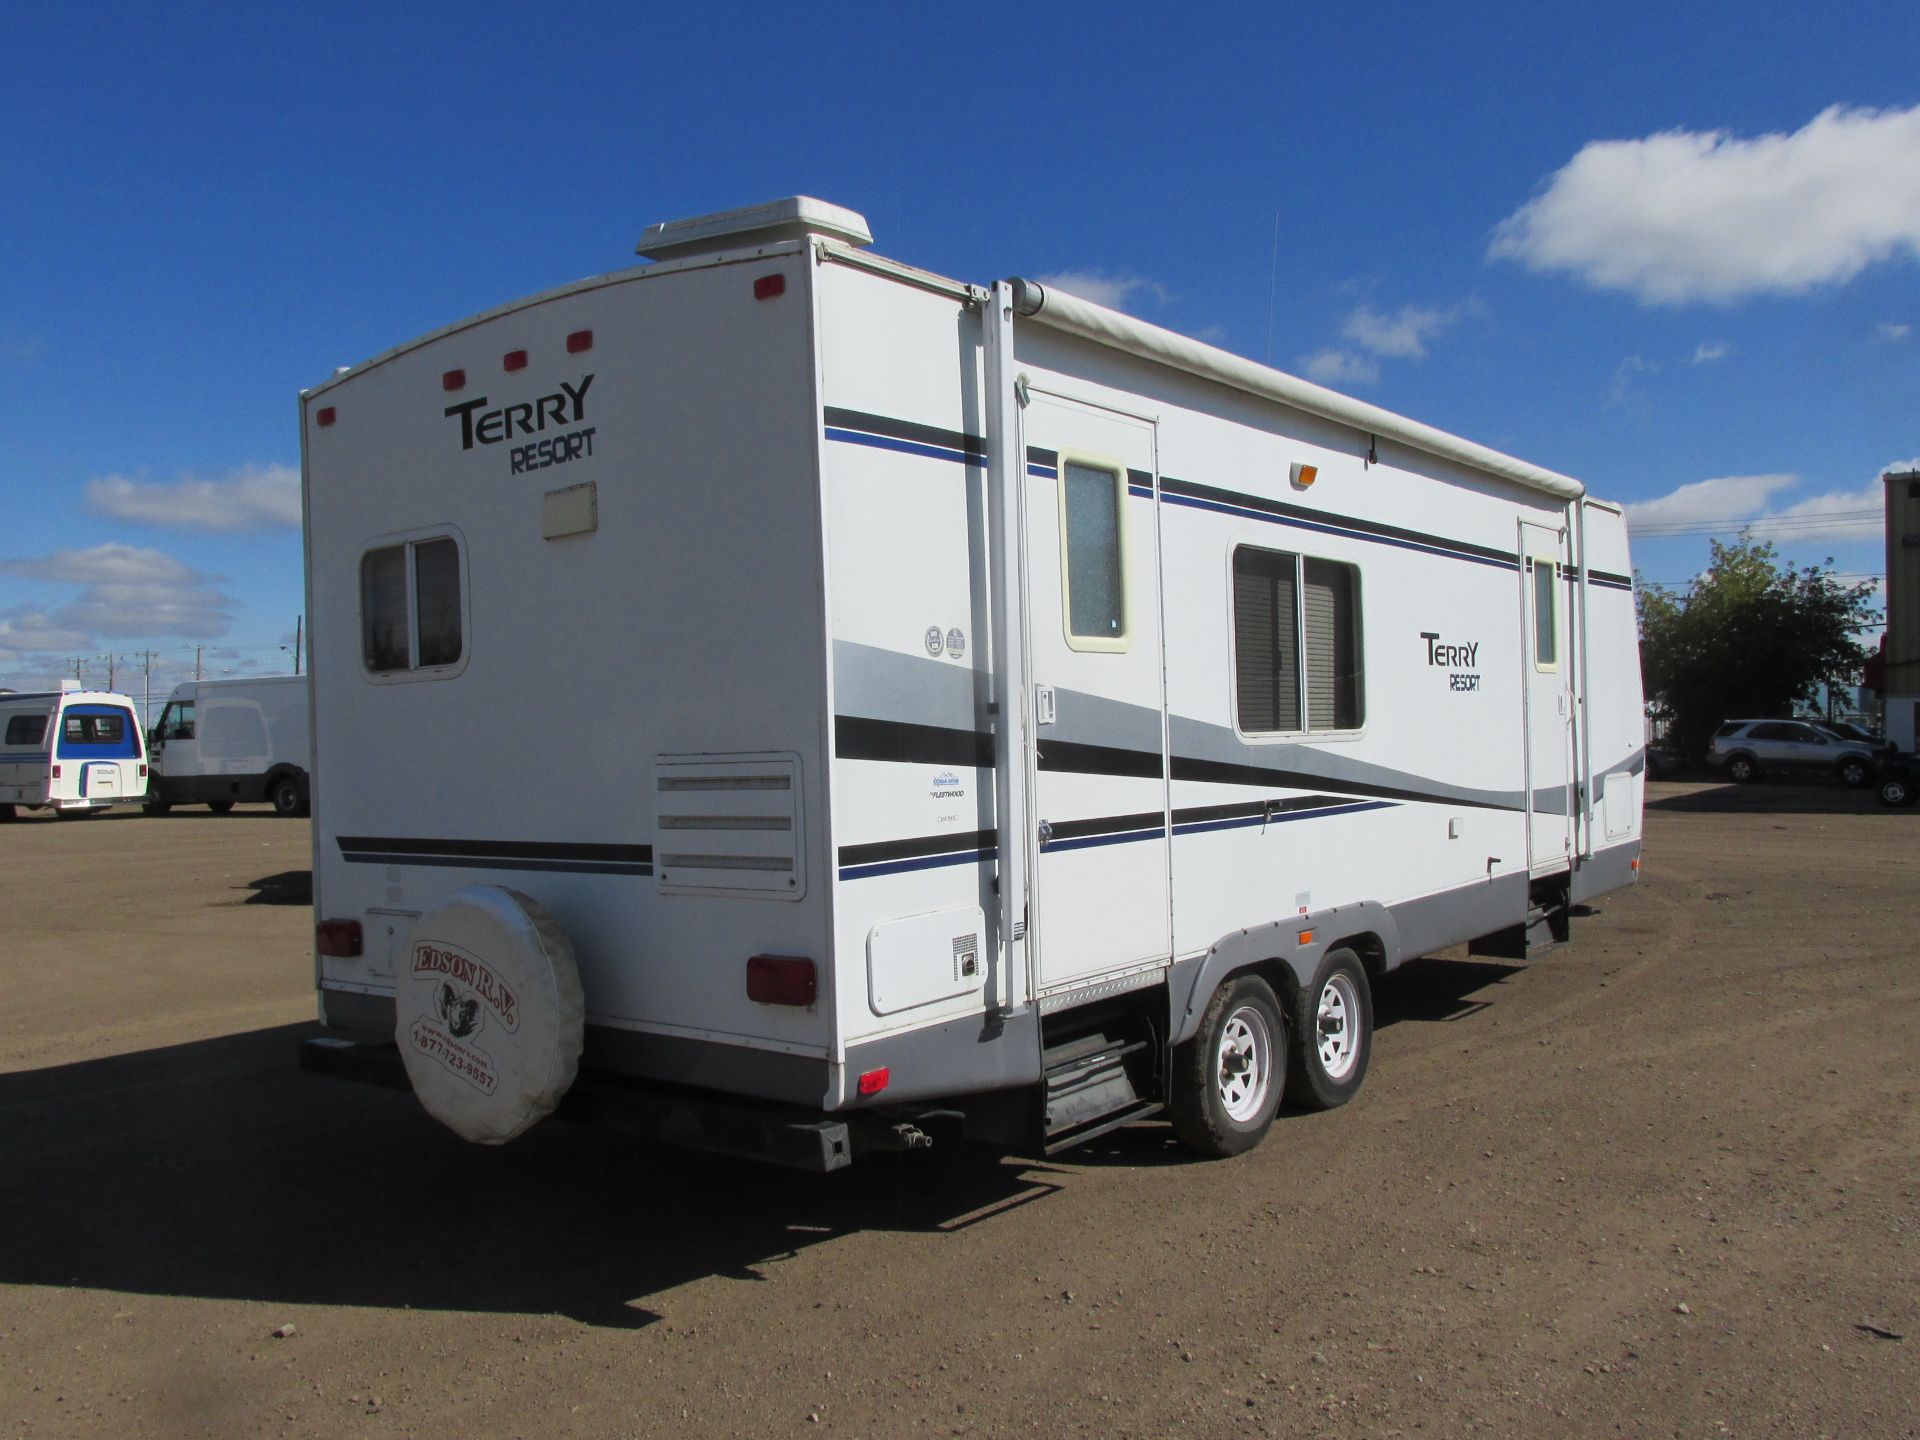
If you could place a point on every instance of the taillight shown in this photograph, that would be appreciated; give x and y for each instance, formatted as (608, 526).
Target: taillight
(143, 769)
(874, 1081)
(338, 938)
(56, 772)
(781, 980)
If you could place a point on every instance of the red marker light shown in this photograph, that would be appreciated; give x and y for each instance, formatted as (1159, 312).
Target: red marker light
(579, 341)
(874, 1081)
(56, 772)
(781, 980)
(324, 416)
(453, 380)
(338, 938)
(514, 360)
(768, 286)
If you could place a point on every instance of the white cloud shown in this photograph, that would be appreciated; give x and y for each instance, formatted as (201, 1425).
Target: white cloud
(1707, 351)
(254, 497)
(1730, 498)
(1703, 215)
(1735, 503)
(128, 591)
(25, 631)
(1102, 288)
(1402, 336)
(1625, 373)
(1891, 333)
(1339, 367)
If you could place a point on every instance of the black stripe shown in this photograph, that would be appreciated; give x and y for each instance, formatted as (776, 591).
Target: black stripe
(951, 844)
(1261, 809)
(375, 846)
(1140, 477)
(1243, 501)
(859, 737)
(1048, 458)
(1104, 825)
(904, 430)
(1073, 758)
(1223, 772)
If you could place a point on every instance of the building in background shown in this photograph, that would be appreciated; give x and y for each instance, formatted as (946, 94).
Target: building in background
(1901, 657)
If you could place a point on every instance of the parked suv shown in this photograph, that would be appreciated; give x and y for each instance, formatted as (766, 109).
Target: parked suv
(1749, 748)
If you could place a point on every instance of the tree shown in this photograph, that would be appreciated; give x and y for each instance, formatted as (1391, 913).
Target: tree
(1750, 638)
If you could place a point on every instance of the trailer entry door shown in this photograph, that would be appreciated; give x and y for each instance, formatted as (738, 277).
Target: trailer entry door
(1099, 886)
(1546, 668)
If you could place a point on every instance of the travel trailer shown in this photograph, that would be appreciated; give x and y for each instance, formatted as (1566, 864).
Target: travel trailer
(222, 743)
(818, 703)
(70, 750)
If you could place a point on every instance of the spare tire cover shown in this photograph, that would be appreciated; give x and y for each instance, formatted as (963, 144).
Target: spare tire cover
(488, 1013)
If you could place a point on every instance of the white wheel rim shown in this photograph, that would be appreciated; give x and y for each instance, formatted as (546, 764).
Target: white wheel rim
(1245, 1064)
(1337, 1027)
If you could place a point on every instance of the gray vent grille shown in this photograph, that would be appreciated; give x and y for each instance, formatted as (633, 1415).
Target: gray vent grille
(729, 825)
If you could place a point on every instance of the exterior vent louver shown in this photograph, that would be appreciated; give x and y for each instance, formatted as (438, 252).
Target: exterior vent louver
(729, 825)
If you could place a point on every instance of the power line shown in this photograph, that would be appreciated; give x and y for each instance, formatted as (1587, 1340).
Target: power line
(1769, 524)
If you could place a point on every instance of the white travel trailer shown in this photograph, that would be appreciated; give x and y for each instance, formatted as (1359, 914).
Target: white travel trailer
(222, 743)
(866, 701)
(69, 750)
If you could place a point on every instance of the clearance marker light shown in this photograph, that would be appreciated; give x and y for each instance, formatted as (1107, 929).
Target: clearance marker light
(514, 360)
(874, 1081)
(579, 341)
(1303, 476)
(324, 416)
(1306, 937)
(768, 286)
(454, 380)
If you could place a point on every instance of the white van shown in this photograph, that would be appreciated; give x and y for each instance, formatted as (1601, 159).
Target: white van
(72, 751)
(225, 742)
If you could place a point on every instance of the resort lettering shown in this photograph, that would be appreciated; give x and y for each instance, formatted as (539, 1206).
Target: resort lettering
(1456, 659)
(481, 426)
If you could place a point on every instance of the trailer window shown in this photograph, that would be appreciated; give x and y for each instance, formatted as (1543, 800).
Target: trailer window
(1546, 625)
(1093, 500)
(410, 606)
(26, 729)
(1285, 607)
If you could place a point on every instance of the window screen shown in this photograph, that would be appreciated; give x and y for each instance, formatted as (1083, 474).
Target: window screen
(1284, 607)
(1546, 628)
(26, 729)
(1090, 501)
(1266, 640)
(410, 606)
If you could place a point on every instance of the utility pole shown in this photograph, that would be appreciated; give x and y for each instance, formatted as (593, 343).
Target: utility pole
(146, 689)
(299, 627)
(109, 658)
(196, 662)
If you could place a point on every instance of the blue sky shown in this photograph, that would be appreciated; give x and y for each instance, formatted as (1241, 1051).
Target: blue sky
(1672, 250)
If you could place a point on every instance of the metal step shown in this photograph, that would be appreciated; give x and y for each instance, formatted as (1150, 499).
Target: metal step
(1089, 1091)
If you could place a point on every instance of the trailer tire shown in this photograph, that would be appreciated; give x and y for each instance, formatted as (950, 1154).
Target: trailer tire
(1333, 1029)
(285, 795)
(1227, 1080)
(220, 807)
(488, 1013)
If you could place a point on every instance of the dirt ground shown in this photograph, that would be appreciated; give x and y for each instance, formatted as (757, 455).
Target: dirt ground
(1660, 1183)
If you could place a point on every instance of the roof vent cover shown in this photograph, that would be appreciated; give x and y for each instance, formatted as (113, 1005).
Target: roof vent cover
(767, 224)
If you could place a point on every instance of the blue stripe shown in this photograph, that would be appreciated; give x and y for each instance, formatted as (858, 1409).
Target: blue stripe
(39, 759)
(904, 447)
(488, 862)
(1341, 531)
(1042, 472)
(925, 862)
(1094, 842)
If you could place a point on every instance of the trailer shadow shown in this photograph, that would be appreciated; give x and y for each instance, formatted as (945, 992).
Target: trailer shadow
(1786, 796)
(219, 1169)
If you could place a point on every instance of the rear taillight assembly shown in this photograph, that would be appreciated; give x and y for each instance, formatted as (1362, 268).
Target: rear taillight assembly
(781, 980)
(56, 772)
(338, 938)
(143, 769)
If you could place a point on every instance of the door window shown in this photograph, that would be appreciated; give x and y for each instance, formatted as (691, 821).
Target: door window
(1093, 524)
(1546, 618)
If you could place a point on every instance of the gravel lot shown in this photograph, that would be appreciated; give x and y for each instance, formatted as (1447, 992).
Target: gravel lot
(1660, 1183)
